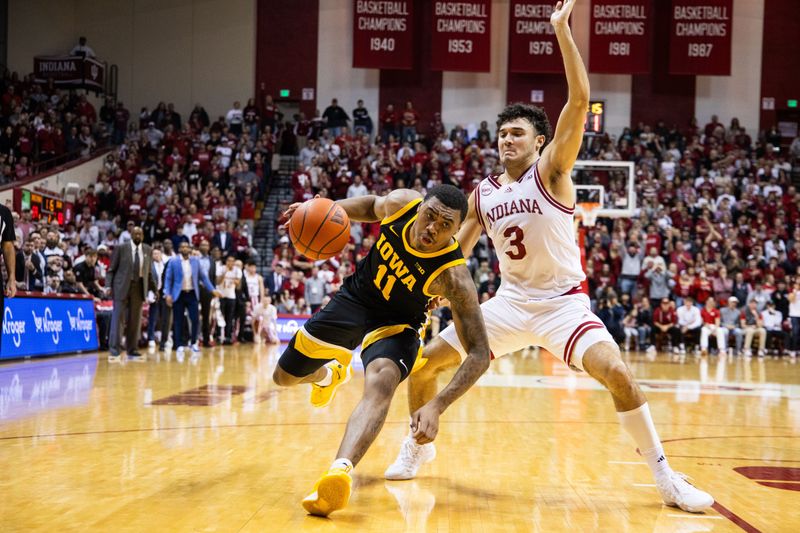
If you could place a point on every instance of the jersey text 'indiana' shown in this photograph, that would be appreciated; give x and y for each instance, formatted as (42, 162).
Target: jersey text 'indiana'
(519, 205)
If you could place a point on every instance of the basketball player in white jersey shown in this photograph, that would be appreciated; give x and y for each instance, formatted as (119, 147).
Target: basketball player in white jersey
(528, 212)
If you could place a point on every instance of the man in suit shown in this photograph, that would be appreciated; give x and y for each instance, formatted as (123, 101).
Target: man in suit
(275, 280)
(209, 266)
(224, 241)
(182, 292)
(29, 269)
(129, 277)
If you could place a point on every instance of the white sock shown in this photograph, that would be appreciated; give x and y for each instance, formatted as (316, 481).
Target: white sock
(639, 425)
(328, 379)
(344, 464)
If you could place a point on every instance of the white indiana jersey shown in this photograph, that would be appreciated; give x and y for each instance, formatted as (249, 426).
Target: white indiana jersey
(533, 235)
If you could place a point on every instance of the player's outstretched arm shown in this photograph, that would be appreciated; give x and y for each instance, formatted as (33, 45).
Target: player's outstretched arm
(456, 285)
(560, 155)
(369, 208)
(470, 230)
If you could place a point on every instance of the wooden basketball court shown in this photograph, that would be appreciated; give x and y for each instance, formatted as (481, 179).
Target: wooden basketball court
(212, 445)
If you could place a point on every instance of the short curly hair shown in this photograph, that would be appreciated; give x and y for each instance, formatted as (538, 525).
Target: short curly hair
(451, 197)
(533, 114)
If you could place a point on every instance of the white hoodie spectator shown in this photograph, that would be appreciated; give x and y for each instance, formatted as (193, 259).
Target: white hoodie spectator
(357, 188)
(689, 317)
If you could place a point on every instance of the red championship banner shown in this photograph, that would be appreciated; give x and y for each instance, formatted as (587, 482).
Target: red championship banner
(619, 36)
(383, 34)
(462, 36)
(532, 44)
(701, 35)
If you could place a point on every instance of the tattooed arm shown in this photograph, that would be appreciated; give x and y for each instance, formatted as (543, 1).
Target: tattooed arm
(456, 285)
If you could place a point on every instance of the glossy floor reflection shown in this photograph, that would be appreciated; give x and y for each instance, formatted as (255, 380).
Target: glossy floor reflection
(208, 444)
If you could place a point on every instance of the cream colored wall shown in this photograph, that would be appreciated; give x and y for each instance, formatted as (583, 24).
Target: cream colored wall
(336, 77)
(180, 51)
(39, 27)
(615, 89)
(737, 95)
(470, 97)
(188, 51)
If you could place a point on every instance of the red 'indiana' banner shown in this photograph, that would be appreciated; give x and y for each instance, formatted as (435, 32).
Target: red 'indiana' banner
(532, 44)
(700, 37)
(461, 37)
(620, 36)
(383, 34)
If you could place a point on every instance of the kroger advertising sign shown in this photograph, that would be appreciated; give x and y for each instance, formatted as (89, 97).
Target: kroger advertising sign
(42, 326)
(289, 324)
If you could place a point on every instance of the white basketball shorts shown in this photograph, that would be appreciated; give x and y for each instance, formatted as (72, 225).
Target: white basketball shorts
(564, 326)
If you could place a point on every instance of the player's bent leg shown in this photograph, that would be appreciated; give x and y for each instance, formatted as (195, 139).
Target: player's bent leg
(381, 378)
(306, 360)
(602, 361)
(294, 368)
(332, 490)
(422, 387)
(439, 356)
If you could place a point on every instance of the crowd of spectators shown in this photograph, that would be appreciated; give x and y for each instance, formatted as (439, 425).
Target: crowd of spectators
(717, 222)
(192, 180)
(41, 126)
(717, 218)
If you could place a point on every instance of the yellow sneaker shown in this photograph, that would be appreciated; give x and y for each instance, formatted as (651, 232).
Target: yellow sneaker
(331, 493)
(322, 396)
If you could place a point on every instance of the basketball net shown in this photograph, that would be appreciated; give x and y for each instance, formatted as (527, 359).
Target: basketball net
(586, 212)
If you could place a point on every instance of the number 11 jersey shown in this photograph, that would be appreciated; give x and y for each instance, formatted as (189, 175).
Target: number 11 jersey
(533, 235)
(394, 278)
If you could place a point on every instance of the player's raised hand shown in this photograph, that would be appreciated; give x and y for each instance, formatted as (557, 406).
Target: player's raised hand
(287, 215)
(560, 16)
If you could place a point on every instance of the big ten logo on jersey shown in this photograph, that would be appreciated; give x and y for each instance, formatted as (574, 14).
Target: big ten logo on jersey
(391, 270)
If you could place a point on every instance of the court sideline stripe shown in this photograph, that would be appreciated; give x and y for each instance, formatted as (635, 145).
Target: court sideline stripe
(736, 519)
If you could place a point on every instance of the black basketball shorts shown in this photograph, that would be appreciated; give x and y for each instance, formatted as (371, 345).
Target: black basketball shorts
(344, 324)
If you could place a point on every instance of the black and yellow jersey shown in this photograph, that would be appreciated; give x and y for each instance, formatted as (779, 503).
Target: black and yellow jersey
(394, 279)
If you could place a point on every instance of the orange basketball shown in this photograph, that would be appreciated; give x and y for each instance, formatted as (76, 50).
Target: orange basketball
(319, 229)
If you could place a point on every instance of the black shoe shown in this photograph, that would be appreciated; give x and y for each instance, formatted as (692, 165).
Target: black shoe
(134, 354)
(113, 352)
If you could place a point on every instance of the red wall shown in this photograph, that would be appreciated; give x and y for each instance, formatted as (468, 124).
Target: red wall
(286, 49)
(780, 60)
(421, 85)
(658, 95)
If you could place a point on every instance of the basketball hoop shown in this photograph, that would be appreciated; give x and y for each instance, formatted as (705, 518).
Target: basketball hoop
(587, 212)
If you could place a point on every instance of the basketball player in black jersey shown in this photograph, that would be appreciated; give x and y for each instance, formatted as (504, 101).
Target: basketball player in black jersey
(383, 307)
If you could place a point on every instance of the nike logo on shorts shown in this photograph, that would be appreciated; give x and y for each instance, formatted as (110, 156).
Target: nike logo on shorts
(404, 365)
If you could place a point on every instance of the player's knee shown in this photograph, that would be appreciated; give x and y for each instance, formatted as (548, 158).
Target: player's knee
(604, 363)
(617, 375)
(440, 356)
(282, 379)
(382, 380)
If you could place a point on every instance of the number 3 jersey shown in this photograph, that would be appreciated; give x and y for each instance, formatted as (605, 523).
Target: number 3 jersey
(533, 235)
(394, 279)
